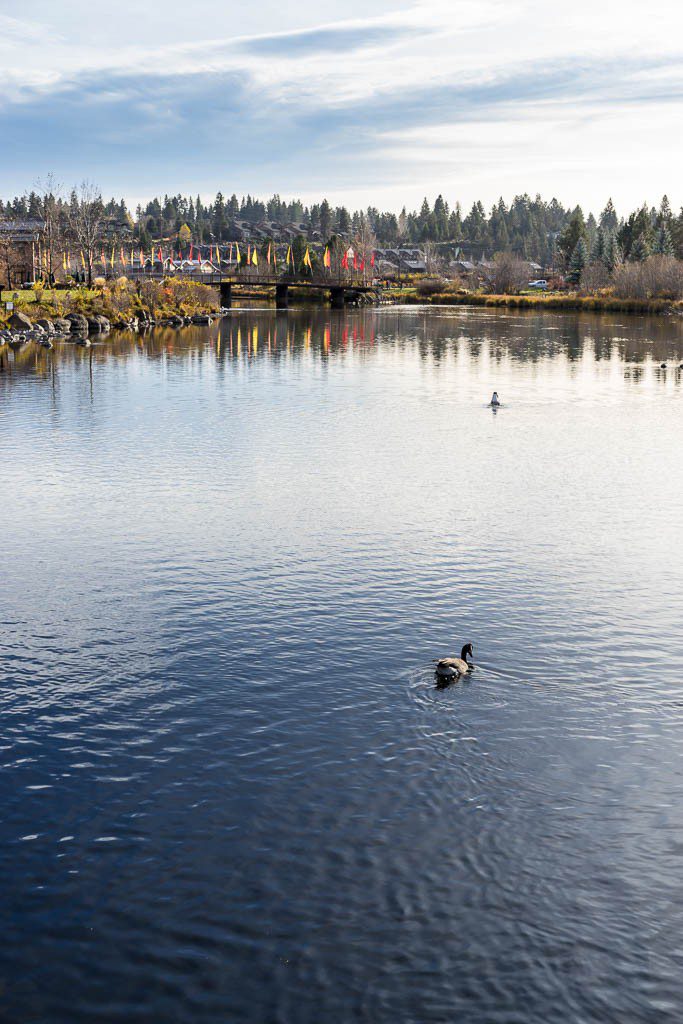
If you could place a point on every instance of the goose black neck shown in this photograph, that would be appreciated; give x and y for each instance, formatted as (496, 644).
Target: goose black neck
(464, 652)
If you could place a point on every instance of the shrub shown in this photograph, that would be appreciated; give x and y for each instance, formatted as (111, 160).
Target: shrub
(509, 274)
(657, 277)
(430, 286)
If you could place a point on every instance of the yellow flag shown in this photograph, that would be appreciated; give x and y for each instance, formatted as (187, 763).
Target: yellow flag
(268, 254)
(307, 259)
(64, 262)
(82, 259)
(237, 247)
(254, 257)
(289, 254)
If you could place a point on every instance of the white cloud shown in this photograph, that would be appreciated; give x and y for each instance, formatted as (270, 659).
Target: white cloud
(433, 95)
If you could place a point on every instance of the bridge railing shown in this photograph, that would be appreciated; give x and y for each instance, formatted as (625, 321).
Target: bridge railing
(238, 277)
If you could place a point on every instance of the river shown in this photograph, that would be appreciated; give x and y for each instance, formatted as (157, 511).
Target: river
(230, 790)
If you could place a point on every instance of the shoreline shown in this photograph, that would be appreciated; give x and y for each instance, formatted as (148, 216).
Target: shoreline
(543, 303)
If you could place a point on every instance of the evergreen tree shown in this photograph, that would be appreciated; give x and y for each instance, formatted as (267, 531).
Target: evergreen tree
(640, 250)
(608, 218)
(573, 233)
(663, 244)
(578, 261)
(598, 247)
(613, 255)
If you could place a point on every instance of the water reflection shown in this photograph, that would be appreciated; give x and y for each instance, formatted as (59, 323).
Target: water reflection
(577, 342)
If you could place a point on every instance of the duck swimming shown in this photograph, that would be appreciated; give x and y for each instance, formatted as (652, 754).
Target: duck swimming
(453, 668)
(495, 400)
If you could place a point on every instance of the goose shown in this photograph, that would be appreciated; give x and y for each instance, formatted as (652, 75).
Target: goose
(452, 668)
(495, 401)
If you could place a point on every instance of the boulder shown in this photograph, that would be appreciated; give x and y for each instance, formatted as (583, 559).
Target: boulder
(103, 322)
(20, 322)
(47, 325)
(79, 323)
(61, 325)
(83, 342)
(94, 325)
(201, 319)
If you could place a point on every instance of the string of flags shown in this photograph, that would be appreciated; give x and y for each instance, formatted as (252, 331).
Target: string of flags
(217, 255)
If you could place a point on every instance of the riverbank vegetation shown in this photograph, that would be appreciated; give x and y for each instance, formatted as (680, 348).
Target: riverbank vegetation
(119, 300)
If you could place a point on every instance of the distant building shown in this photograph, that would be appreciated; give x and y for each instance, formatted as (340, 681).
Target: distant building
(19, 248)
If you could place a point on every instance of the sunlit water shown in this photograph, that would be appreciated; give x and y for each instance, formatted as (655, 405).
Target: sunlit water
(230, 790)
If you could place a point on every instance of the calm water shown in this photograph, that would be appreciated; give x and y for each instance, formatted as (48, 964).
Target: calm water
(230, 790)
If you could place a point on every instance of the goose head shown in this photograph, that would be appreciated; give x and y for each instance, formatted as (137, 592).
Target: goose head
(467, 649)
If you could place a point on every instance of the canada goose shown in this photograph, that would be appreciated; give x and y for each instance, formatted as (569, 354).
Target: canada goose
(451, 668)
(495, 401)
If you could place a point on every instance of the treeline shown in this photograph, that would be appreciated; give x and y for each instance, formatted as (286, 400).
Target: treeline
(533, 229)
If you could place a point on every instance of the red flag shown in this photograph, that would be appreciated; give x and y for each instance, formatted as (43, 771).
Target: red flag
(372, 260)
(191, 250)
(161, 258)
(355, 262)
(362, 264)
(345, 261)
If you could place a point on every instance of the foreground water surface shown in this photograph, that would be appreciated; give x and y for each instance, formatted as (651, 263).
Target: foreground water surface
(230, 790)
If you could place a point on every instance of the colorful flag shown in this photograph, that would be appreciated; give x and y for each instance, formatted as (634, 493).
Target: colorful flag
(289, 255)
(372, 260)
(345, 260)
(254, 258)
(307, 259)
(327, 260)
(237, 247)
(268, 254)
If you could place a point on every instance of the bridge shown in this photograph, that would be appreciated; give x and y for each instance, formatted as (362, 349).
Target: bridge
(340, 292)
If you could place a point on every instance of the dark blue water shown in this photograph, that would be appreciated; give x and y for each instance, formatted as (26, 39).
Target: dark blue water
(229, 788)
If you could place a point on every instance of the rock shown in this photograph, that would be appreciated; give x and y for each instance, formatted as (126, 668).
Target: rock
(20, 322)
(47, 325)
(201, 319)
(79, 323)
(83, 342)
(61, 324)
(46, 343)
(103, 322)
(94, 325)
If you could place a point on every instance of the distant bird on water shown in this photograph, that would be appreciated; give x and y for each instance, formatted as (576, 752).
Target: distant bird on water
(453, 668)
(495, 401)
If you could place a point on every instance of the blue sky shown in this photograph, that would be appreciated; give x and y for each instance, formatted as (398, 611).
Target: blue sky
(382, 103)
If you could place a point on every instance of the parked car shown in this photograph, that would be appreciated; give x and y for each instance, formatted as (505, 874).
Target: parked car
(541, 284)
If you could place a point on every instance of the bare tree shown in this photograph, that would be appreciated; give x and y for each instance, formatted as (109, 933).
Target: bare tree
(433, 261)
(52, 239)
(364, 244)
(509, 274)
(85, 217)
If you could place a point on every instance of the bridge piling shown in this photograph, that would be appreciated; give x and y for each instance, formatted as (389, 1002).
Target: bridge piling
(226, 294)
(337, 297)
(281, 296)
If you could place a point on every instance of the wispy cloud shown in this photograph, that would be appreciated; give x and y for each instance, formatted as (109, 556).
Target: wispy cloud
(419, 91)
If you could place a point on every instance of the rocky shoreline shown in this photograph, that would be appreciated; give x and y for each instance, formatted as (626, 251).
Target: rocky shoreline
(77, 328)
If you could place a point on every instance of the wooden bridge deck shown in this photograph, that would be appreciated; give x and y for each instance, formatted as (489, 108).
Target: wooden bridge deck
(340, 291)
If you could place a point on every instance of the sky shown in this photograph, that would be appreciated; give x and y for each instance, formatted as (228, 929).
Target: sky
(378, 103)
